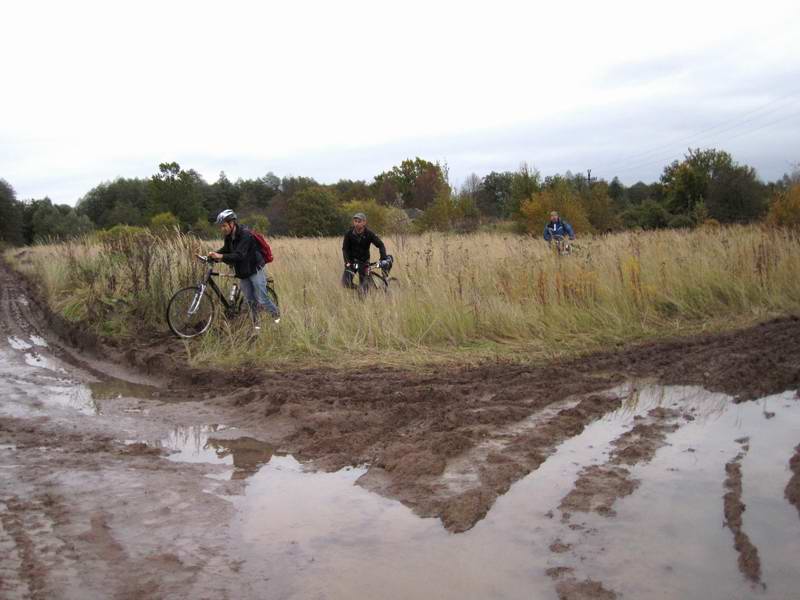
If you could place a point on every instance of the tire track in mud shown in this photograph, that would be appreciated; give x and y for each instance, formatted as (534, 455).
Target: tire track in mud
(792, 491)
(30, 525)
(749, 561)
(598, 487)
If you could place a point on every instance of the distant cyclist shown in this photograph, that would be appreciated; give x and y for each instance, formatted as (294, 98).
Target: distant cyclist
(557, 229)
(242, 252)
(355, 250)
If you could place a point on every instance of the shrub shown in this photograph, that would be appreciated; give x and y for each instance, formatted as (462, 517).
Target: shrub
(785, 208)
(164, 221)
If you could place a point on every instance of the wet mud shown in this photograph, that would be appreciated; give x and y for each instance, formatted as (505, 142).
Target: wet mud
(749, 562)
(792, 491)
(599, 486)
(126, 474)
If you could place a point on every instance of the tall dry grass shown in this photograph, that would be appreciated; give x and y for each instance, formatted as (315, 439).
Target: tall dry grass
(458, 298)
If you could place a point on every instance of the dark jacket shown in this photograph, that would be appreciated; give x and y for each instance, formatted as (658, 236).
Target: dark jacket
(355, 247)
(559, 229)
(242, 251)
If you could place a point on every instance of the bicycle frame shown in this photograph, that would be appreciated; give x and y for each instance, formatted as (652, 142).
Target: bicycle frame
(368, 271)
(208, 282)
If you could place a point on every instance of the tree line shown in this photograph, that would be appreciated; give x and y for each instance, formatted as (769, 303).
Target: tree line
(706, 187)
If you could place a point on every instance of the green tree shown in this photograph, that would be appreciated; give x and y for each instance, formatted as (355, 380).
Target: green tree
(220, 195)
(348, 190)
(617, 193)
(178, 192)
(650, 214)
(494, 195)
(600, 209)
(418, 182)
(314, 212)
(122, 201)
(47, 221)
(525, 182)
(10, 215)
(731, 192)
(439, 216)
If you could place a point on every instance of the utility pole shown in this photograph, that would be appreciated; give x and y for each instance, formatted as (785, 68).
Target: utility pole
(589, 178)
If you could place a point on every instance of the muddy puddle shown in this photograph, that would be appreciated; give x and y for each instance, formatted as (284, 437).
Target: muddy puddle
(217, 445)
(308, 534)
(33, 381)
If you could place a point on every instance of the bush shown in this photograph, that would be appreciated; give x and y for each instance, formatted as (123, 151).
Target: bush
(785, 208)
(120, 233)
(164, 221)
(681, 222)
(258, 222)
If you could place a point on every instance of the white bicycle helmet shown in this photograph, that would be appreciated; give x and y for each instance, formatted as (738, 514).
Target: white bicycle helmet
(225, 216)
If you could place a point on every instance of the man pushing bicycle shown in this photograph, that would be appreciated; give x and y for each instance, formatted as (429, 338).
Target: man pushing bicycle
(355, 250)
(243, 253)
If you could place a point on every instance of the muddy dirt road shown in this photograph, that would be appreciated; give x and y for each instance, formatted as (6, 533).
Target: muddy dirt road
(582, 479)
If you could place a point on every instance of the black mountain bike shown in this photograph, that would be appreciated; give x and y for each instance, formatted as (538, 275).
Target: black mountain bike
(191, 310)
(372, 277)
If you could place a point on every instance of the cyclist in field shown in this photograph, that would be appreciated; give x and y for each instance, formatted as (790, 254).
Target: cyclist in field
(557, 229)
(242, 252)
(355, 250)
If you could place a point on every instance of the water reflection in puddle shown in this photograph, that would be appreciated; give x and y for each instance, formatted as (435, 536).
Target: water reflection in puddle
(203, 444)
(319, 535)
(113, 389)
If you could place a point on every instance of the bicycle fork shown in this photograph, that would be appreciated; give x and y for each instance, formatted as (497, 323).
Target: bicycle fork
(196, 300)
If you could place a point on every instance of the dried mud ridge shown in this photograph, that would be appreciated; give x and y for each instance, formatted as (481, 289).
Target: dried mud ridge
(410, 427)
(749, 562)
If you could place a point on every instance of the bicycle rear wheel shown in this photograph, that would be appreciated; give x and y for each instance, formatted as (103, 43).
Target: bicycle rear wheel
(190, 312)
(272, 295)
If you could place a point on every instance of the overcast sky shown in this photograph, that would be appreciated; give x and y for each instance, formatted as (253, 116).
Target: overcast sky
(93, 91)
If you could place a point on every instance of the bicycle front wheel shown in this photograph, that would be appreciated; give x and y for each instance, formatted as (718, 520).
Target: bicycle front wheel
(190, 312)
(377, 283)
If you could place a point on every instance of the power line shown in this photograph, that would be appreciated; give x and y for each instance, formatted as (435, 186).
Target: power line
(672, 156)
(716, 129)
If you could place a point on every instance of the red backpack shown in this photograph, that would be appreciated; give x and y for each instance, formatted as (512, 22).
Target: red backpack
(266, 251)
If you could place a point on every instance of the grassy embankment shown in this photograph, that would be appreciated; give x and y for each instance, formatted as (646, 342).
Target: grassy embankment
(459, 299)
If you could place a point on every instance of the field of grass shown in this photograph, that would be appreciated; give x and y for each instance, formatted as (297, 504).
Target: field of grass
(459, 299)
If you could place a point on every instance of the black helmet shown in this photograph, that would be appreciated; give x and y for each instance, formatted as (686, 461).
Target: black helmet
(225, 216)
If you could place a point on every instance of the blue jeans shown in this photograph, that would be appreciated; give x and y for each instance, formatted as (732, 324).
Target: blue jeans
(254, 289)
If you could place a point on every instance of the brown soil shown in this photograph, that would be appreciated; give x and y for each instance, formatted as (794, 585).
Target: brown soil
(408, 425)
(792, 491)
(568, 587)
(749, 562)
(588, 589)
(490, 425)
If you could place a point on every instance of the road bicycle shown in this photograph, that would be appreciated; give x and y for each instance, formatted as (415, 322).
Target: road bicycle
(191, 310)
(373, 276)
